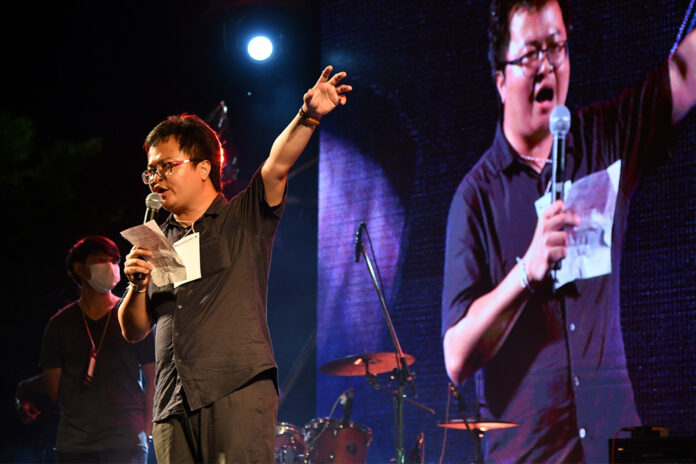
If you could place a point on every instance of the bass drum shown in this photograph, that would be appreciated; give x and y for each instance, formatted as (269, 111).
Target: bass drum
(289, 444)
(329, 441)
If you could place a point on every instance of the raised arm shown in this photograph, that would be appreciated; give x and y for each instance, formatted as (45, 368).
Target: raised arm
(682, 77)
(317, 102)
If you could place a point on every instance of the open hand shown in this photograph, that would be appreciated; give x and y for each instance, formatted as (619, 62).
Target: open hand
(326, 94)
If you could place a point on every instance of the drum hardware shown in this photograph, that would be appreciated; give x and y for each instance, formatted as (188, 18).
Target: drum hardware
(400, 371)
(330, 440)
(476, 426)
(374, 383)
(376, 363)
(479, 425)
(289, 446)
(324, 440)
(369, 364)
(342, 399)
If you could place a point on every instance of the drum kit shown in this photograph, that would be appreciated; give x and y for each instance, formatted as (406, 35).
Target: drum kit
(331, 440)
(322, 441)
(328, 440)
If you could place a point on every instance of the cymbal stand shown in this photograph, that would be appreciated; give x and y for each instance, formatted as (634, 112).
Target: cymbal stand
(477, 434)
(399, 398)
(374, 383)
(402, 374)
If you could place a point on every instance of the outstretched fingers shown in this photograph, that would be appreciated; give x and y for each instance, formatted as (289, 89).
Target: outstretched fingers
(324, 77)
(338, 77)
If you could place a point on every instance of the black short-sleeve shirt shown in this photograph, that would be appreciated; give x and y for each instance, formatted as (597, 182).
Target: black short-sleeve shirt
(110, 413)
(212, 335)
(561, 373)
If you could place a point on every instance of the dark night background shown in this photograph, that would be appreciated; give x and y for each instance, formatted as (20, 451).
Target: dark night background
(84, 82)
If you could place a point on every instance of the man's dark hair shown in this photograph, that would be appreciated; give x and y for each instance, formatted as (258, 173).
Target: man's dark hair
(195, 138)
(86, 246)
(499, 22)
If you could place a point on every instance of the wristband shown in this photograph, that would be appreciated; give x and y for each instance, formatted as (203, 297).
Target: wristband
(306, 119)
(135, 288)
(524, 279)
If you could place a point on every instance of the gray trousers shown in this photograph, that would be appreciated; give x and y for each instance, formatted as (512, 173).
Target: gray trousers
(237, 428)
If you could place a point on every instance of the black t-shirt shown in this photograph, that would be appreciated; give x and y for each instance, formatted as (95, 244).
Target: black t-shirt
(212, 334)
(110, 413)
(561, 373)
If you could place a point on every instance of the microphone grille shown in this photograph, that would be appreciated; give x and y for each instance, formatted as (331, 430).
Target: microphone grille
(559, 122)
(153, 201)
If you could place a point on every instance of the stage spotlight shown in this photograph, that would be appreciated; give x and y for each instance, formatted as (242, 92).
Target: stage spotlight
(260, 48)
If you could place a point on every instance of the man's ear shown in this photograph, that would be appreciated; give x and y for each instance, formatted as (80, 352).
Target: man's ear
(204, 169)
(500, 85)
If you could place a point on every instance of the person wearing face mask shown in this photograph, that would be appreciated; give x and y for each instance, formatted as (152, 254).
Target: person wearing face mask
(103, 385)
(550, 360)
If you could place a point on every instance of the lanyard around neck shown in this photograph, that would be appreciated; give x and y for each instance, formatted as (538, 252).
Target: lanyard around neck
(95, 349)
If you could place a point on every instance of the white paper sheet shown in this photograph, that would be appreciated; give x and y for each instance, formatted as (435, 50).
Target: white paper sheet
(593, 198)
(169, 267)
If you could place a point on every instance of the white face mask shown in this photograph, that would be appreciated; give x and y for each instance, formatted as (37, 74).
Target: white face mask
(105, 276)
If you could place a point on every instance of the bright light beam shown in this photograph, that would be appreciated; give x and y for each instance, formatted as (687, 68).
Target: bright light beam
(260, 48)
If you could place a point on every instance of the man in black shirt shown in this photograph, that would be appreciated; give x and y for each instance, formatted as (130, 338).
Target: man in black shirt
(103, 385)
(552, 361)
(216, 394)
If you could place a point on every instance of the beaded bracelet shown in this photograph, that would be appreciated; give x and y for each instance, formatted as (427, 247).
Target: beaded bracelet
(524, 280)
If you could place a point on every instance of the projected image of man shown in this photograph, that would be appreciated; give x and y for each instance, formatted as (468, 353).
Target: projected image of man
(550, 359)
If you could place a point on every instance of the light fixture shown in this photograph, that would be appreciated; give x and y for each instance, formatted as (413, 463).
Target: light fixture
(260, 48)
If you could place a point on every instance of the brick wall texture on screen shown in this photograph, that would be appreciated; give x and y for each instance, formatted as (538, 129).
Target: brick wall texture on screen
(423, 110)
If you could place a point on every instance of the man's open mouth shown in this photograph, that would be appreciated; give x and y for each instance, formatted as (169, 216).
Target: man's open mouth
(544, 94)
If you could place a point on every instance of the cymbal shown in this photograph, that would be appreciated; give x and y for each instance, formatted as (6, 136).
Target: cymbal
(377, 363)
(482, 424)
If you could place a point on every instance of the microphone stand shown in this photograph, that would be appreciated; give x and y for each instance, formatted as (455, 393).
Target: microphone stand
(401, 373)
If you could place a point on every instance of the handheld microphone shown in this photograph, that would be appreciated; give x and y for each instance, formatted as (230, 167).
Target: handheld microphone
(358, 241)
(347, 407)
(153, 203)
(559, 125)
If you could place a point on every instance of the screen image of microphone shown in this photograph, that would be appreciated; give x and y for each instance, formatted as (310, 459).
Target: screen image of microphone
(559, 125)
(153, 203)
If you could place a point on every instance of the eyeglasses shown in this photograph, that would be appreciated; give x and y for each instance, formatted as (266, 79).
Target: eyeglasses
(164, 170)
(557, 53)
